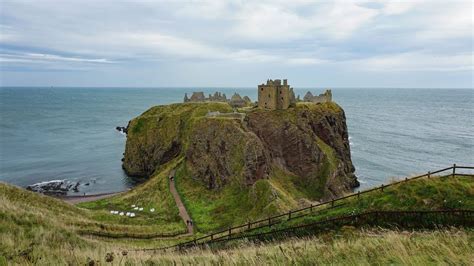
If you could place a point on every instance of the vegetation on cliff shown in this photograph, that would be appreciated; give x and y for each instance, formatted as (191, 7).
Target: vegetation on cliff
(236, 168)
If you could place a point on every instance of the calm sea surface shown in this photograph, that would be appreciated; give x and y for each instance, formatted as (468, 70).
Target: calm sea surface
(69, 133)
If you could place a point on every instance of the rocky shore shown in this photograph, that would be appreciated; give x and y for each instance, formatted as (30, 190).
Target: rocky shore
(56, 187)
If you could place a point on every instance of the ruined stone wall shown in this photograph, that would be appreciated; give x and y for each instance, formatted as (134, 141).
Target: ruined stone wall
(284, 97)
(321, 98)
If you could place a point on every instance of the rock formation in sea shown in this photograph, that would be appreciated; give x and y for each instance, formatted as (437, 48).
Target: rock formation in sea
(308, 141)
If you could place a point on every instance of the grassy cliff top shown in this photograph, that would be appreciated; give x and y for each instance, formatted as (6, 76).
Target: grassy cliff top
(187, 112)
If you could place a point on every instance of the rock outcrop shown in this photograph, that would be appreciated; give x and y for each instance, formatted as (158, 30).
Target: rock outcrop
(309, 141)
(54, 187)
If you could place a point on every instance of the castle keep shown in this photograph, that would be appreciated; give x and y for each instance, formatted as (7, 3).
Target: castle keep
(275, 96)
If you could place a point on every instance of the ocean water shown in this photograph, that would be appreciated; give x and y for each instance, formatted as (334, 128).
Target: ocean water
(69, 133)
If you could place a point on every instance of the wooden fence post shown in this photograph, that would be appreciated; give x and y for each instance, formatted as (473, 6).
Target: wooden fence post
(248, 226)
(212, 237)
(429, 174)
(332, 203)
(311, 207)
(230, 231)
(289, 215)
(381, 187)
(358, 194)
(454, 170)
(269, 221)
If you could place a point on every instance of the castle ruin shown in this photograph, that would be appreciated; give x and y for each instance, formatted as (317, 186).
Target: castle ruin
(321, 98)
(235, 101)
(199, 97)
(275, 96)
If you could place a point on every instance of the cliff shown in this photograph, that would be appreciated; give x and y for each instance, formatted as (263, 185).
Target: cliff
(308, 142)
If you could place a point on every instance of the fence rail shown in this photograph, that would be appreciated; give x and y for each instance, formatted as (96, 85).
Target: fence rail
(292, 214)
(129, 235)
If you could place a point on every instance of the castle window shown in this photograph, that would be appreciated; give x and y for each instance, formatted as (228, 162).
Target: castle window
(261, 89)
(269, 96)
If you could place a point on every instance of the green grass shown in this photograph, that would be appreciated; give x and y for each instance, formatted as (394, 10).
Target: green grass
(230, 205)
(155, 194)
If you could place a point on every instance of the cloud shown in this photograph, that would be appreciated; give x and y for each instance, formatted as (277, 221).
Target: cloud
(267, 22)
(306, 61)
(48, 58)
(416, 61)
(383, 35)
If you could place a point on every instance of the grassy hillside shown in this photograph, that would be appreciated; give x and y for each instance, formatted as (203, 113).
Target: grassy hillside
(42, 230)
(33, 225)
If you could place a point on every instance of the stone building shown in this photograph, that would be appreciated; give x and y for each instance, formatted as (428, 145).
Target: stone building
(275, 96)
(218, 97)
(236, 101)
(321, 98)
(196, 97)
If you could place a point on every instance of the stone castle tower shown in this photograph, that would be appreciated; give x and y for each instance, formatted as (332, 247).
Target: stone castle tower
(275, 96)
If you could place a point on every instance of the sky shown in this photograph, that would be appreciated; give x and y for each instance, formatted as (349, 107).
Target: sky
(396, 44)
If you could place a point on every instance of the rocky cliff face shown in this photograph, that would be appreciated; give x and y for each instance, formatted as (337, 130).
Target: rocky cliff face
(309, 141)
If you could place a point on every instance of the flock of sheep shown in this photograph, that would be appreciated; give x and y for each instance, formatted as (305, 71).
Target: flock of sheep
(131, 214)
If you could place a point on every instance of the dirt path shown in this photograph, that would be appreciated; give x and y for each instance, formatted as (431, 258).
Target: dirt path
(182, 209)
(79, 199)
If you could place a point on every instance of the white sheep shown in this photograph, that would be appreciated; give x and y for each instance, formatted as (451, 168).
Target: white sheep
(132, 214)
(133, 206)
(121, 214)
(127, 214)
(112, 212)
(152, 209)
(141, 209)
(136, 208)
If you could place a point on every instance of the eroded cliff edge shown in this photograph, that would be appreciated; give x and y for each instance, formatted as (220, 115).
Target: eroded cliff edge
(308, 142)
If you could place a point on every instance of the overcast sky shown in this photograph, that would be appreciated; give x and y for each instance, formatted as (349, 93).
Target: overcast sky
(236, 43)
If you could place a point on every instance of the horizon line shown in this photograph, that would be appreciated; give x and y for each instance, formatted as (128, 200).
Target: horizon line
(217, 87)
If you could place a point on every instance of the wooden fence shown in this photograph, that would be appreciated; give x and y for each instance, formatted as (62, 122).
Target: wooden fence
(292, 214)
(386, 219)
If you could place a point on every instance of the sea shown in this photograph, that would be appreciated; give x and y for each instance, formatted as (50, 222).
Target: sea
(69, 133)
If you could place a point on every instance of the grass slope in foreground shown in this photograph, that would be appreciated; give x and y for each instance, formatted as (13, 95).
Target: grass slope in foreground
(42, 230)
